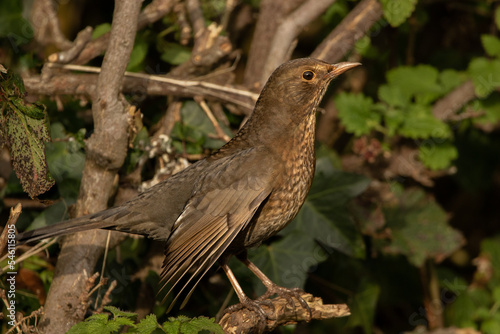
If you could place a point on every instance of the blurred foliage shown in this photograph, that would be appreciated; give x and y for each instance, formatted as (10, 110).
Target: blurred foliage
(370, 236)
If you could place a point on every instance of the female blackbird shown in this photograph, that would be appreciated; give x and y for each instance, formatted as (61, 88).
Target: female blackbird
(239, 196)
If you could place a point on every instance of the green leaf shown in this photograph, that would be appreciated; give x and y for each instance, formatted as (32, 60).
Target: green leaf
(491, 45)
(485, 75)
(363, 305)
(356, 113)
(437, 155)
(491, 108)
(420, 123)
(393, 95)
(415, 81)
(450, 79)
(466, 309)
(23, 128)
(175, 54)
(138, 54)
(419, 229)
(146, 325)
(101, 324)
(185, 325)
(491, 248)
(397, 12)
(100, 30)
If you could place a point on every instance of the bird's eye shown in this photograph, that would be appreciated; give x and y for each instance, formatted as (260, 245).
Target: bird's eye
(308, 75)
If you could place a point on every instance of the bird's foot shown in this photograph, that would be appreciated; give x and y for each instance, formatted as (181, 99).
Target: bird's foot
(256, 306)
(288, 294)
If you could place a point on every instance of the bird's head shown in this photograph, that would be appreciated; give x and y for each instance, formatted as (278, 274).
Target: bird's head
(298, 86)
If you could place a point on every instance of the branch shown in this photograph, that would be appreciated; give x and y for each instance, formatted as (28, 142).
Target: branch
(247, 321)
(138, 83)
(271, 13)
(13, 216)
(354, 26)
(46, 25)
(288, 30)
(106, 151)
(151, 13)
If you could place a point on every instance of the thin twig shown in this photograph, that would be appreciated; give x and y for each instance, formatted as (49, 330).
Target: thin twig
(212, 118)
(10, 226)
(354, 26)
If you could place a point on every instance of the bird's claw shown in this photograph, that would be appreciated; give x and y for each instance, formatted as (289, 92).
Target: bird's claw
(288, 293)
(253, 305)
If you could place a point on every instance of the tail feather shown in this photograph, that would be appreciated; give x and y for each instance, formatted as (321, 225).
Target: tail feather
(100, 220)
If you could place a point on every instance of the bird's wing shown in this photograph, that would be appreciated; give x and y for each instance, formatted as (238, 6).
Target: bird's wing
(223, 203)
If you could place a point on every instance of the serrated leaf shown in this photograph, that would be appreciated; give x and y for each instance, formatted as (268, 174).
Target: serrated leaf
(485, 75)
(419, 122)
(491, 45)
(415, 81)
(196, 325)
(393, 95)
(95, 324)
(356, 113)
(419, 229)
(363, 305)
(119, 313)
(146, 325)
(437, 155)
(185, 325)
(397, 12)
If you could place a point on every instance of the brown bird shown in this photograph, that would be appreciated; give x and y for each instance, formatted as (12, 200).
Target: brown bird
(239, 196)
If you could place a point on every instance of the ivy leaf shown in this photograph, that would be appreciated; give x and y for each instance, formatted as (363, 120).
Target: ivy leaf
(356, 113)
(420, 123)
(438, 156)
(419, 229)
(23, 128)
(491, 45)
(287, 261)
(397, 12)
(485, 75)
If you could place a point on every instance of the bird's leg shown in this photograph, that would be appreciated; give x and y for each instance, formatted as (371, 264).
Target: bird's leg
(273, 288)
(245, 302)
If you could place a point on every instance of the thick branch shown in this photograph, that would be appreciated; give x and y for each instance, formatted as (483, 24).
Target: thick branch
(354, 26)
(270, 16)
(106, 151)
(282, 313)
(288, 30)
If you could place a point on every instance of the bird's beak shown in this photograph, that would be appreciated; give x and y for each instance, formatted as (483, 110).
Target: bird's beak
(340, 68)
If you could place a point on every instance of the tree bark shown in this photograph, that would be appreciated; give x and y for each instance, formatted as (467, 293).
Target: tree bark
(106, 151)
